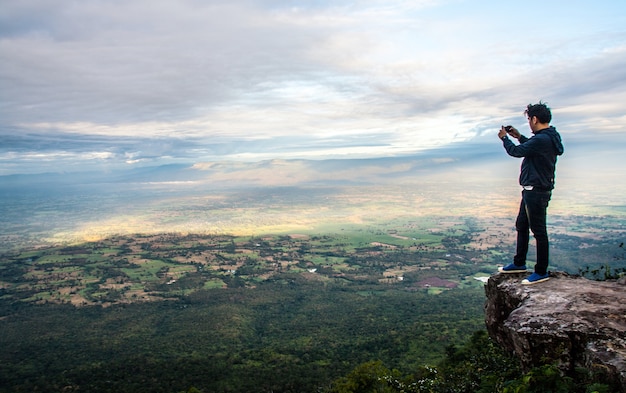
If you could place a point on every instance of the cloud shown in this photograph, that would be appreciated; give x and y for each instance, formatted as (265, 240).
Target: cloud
(141, 81)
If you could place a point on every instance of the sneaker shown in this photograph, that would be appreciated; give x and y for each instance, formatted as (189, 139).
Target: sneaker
(512, 268)
(536, 278)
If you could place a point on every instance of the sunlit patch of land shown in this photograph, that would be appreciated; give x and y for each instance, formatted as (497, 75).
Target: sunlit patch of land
(277, 213)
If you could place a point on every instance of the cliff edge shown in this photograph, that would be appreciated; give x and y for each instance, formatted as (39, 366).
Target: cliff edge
(569, 320)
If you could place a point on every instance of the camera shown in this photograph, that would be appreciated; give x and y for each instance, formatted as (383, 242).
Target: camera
(508, 128)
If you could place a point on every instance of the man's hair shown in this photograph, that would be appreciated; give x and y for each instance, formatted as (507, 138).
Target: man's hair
(540, 110)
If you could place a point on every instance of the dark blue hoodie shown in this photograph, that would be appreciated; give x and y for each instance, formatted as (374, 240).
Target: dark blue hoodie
(540, 153)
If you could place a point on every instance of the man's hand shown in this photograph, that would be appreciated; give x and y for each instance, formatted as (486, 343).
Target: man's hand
(510, 130)
(502, 132)
(513, 132)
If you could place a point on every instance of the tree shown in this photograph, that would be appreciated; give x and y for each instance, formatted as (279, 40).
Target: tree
(370, 377)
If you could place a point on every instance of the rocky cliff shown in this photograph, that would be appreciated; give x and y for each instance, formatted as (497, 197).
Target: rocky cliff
(569, 320)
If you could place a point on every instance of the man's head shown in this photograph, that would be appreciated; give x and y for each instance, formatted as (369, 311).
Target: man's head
(539, 116)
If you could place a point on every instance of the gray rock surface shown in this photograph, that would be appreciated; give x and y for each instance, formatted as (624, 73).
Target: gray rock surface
(567, 319)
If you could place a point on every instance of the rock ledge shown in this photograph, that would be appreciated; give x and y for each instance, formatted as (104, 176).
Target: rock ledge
(568, 320)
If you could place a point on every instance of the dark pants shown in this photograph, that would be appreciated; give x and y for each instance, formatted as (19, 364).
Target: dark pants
(532, 216)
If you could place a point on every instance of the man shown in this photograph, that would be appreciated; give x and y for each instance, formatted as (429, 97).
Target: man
(537, 180)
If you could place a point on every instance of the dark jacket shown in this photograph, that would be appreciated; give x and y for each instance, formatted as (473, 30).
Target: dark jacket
(540, 153)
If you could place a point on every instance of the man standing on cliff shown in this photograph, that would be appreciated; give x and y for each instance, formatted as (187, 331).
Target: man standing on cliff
(537, 180)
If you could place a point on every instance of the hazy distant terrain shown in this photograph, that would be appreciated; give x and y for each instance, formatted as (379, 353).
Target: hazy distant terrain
(212, 197)
(275, 196)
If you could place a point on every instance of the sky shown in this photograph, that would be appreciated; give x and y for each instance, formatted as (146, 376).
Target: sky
(118, 84)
